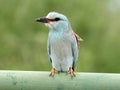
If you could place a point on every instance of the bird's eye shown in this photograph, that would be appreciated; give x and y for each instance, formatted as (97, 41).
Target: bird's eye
(56, 19)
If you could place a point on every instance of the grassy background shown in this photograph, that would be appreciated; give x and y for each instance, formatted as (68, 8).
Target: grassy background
(23, 42)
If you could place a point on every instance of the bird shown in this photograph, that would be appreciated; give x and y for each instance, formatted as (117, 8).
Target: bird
(63, 43)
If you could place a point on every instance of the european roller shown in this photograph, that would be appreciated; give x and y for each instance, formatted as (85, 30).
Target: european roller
(63, 43)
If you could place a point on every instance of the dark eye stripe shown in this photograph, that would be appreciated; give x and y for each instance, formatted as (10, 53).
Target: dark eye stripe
(53, 20)
(57, 19)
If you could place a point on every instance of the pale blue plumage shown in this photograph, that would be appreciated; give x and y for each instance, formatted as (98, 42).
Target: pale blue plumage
(75, 52)
(62, 42)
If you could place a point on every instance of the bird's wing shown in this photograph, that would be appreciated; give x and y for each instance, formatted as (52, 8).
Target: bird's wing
(49, 51)
(78, 39)
(75, 48)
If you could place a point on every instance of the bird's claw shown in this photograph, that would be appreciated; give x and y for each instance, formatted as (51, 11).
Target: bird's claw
(52, 72)
(71, 72)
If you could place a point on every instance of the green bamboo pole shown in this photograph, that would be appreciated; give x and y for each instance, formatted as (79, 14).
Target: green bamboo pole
(40, 80)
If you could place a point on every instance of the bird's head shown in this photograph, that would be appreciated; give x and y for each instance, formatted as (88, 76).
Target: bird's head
(55, 21)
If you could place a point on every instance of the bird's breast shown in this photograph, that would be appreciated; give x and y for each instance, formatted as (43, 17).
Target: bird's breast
(60, 46)
(61, 51)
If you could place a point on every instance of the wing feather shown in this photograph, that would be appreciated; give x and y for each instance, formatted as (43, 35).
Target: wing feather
(49, 51)
(75, 48)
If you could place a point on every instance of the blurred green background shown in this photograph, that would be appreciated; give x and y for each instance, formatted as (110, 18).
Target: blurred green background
(23, 42)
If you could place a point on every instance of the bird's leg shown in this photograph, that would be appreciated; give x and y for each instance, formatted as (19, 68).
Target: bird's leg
(71, 72)
(52, 72)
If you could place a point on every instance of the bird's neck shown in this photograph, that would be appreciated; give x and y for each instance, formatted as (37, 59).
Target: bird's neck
(60, 34)
(56, 32)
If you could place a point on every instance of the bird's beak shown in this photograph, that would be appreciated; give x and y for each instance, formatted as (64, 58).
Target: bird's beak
(43, 20)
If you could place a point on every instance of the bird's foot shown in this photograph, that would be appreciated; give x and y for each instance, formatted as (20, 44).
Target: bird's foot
(52, 72)
(71, 72)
